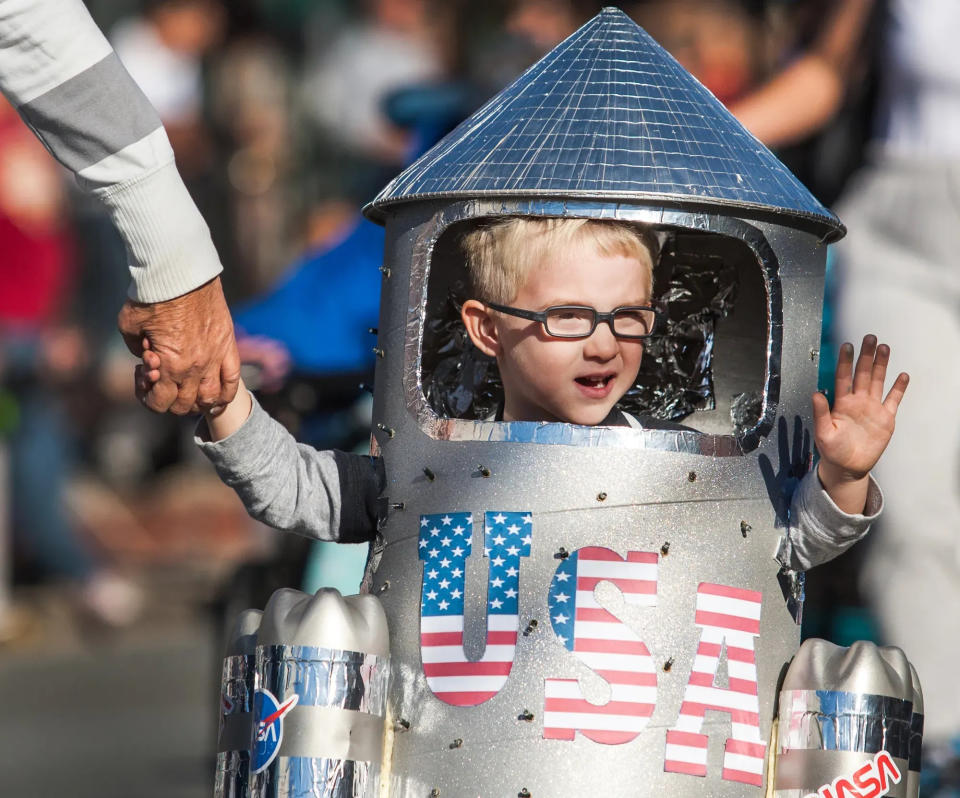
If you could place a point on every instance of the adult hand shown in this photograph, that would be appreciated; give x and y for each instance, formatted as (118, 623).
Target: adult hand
(192, 337)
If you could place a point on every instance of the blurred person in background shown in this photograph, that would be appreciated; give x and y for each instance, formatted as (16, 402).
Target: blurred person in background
(720, 42)
(40, 355)
(901, 210)
(395, 43)
(163, 50)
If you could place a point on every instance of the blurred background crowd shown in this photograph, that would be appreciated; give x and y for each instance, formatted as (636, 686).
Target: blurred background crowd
(286, 116)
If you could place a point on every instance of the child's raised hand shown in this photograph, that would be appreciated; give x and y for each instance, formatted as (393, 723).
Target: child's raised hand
(853, 434)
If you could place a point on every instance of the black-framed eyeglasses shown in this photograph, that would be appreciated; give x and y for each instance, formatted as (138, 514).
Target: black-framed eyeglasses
(634, 322)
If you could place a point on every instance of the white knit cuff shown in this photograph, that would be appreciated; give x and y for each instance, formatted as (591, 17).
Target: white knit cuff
(168, 243)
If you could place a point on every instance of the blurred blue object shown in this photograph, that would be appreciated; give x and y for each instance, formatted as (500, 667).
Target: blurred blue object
(324, 306)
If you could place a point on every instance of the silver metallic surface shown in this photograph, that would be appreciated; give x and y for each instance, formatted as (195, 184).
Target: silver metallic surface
(568, 434)
(679, 497)
(608, 115)
(838, 707)
(834, 720)
(916, 737)
(237, 685)
(332, 737)
(649, 500)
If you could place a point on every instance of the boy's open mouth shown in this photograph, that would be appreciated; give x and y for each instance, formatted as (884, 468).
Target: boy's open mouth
(595, 382)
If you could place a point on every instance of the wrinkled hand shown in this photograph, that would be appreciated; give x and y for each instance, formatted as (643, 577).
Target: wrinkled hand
(854, 433)
(195, 366)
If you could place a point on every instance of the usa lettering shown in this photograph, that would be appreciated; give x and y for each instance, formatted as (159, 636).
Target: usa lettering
(604, 644)
(728, 619)
(444, 546)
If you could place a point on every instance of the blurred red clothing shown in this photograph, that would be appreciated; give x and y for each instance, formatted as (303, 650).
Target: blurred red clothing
(36, 258)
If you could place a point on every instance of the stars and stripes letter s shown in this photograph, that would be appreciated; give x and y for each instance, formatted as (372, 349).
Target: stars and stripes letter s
(445, 543)
(729, 620)
(604, 644)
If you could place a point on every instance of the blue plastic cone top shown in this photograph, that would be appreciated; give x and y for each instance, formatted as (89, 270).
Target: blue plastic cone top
(608, 114)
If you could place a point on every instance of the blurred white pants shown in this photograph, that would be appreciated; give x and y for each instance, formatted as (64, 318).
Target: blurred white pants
(898, 276)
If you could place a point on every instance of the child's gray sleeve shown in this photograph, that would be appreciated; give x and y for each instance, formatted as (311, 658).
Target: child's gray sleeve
(819, 530)
(293, 487)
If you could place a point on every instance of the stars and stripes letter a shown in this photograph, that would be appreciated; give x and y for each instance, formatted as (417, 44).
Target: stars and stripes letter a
(445, 544)
(729, 619)
(604, 644)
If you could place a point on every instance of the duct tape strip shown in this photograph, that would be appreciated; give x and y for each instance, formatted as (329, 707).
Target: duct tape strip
(332, 733)
(325, 778)
(916, 740)
(236, 732)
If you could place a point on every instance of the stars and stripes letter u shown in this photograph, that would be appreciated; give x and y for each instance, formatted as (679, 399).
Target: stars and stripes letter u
(444, 545)
(604, 644)
(729, 619)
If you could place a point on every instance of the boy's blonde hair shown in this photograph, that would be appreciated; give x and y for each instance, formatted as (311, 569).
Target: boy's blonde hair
(499, 253)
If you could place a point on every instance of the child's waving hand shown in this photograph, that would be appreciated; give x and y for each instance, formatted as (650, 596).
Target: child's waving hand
(852, 435)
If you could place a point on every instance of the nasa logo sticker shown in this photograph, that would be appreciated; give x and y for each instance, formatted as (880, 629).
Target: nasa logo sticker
(269, 713)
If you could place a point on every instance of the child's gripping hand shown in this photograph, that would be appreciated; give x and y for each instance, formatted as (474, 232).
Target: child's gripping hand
(147, 373)
(852, 435)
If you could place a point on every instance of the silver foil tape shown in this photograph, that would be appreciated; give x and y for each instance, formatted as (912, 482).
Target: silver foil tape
(826, 735)
(237, 686)
(832, 720)
(319, 722)
(916, 736)
(236, 726)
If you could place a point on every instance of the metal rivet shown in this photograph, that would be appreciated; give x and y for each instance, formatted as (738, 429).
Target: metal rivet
(602, 496)
(429, 474)
(668, 664)
(434, 792)
(389, 430)
(665, 548)
(383, 589)
(397, 505)
(526, 715)
(385, 271)
(456, 743)
(814, 354)
(562, 554)
(378, 351)
(744, 528)
(373, 331)
(402, 725)
(524, 793)
(530, 627)
(692, 476)
(484, 471)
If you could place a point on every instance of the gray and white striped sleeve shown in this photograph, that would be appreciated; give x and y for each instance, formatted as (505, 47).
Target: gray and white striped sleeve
(68, 85)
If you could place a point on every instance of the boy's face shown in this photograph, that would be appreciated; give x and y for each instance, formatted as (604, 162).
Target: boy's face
(554, 379)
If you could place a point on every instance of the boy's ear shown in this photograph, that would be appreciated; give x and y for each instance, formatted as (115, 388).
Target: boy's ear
(480, 327)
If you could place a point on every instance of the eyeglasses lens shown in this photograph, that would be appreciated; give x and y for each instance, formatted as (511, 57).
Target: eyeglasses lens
(634, 322)
(569, 321)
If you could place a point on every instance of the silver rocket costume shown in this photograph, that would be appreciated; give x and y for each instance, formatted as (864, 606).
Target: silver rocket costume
(591, 610)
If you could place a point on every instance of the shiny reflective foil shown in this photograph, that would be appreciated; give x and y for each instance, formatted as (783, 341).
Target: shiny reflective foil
(236, 727)
(331, 740)
(863, 709)
(608, 114)
(237, 685)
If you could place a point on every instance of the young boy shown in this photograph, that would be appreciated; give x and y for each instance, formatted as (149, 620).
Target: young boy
(564, 305)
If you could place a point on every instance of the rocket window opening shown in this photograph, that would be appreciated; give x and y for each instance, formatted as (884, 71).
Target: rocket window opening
(706, 370)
